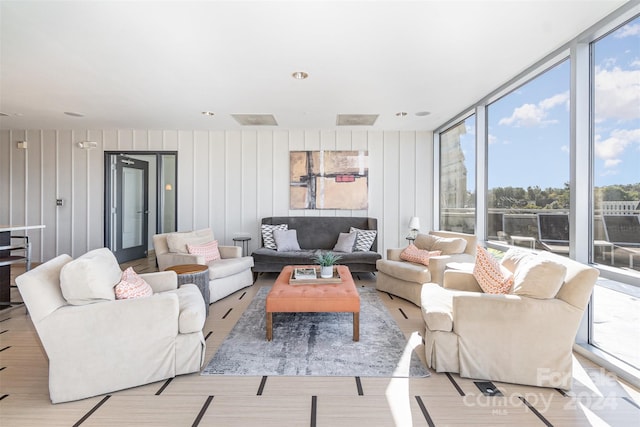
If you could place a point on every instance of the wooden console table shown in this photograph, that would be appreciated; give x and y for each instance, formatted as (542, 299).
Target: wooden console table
(6, 259)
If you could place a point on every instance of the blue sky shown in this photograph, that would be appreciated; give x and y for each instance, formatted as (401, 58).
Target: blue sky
(529, 128)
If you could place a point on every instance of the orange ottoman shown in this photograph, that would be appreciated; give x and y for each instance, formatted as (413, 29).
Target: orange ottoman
(324, 298)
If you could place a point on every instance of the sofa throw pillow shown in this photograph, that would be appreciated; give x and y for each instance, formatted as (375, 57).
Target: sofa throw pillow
(514, 257)
(538, 277)
(267, 234)
(286, 240)
(446, 245)
(364, 238)
(177, 242)
(345, 243)
(412, 254)
(492, 277)
(132, 286)
(90, 278)
(209, 250)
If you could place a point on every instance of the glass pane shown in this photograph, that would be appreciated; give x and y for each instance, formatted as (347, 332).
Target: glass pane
(616, 163)
(528, 164)
(615, 326)
(168, 204)
(457, 177)
(132, 207)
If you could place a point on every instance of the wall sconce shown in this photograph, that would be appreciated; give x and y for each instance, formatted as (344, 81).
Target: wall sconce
(87, 145)
(168, 187)
(414, 227)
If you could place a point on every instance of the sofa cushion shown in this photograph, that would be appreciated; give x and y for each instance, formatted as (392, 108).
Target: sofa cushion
(407, 271)
(177, 242)
(345, 242)
(364, 238)
(90, 278)
(437, 307)
(209, 250)
(539, 277)
(267, 234)
(192, 310)
(413, 254)
(446, 245)
(226, 267)
(286, 240)
(514, 257)
(132, 286)
(492, 277)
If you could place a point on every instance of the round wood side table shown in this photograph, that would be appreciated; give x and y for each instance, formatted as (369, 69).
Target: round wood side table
(197, 274)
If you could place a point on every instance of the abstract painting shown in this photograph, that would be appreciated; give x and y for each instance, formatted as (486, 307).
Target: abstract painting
(329, 180)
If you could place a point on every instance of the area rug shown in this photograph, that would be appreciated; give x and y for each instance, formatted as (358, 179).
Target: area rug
(318, 344)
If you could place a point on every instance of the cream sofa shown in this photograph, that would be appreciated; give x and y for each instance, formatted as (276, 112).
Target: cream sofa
(405, 279)
(510, 338)
(96, 344)
(226, 275)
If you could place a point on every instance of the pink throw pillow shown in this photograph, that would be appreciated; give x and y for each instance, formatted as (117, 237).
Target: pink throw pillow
(492, 277)
(132, 286)
(421, 256)
(208, 250)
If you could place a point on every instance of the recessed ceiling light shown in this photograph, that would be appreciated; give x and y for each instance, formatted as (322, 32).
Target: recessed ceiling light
(422, 113)
(73, 114)
(401, 114)
(299, 75)
(208, 113)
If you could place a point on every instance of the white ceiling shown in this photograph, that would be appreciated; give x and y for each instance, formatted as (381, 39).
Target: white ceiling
(158, 65)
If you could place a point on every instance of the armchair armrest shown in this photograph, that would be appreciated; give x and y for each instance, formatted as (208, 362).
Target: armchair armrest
(230, 251)
(393, 254)
(171, 258)
(438, 264)
(161, 281)
(461, 281)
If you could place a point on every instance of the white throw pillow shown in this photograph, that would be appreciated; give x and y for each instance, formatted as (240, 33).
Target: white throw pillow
(286, 240)
(345, 242)
(90, 278)
(177, 242)
(539, 277)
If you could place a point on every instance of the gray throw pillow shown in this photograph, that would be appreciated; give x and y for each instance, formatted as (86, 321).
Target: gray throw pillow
(345, 242)
(286, 240)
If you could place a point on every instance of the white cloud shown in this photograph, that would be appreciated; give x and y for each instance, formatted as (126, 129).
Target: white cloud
(627, 31)
(492, 139)
(611, 149)
(564, 148)
(617, 94)
(529, 115)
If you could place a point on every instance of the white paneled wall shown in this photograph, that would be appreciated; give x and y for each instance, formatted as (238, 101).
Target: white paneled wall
(227, 180)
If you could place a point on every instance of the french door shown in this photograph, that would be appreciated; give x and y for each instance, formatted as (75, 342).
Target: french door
(128, 201)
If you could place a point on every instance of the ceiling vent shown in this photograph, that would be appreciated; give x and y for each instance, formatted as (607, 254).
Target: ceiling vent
(255, 119)
(356, 119)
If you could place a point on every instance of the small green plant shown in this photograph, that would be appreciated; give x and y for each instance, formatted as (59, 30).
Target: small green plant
(327, 259)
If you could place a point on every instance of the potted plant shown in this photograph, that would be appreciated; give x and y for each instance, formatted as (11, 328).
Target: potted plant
(326, 261)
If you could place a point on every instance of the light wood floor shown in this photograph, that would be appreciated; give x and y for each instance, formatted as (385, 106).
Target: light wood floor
(597, 397)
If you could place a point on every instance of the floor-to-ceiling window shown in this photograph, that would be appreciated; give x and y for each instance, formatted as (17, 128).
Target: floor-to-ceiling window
(528, 163)
(532, 174)
(457, 177)
(616, 189)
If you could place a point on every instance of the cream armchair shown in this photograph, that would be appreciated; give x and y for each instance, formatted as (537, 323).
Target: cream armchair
(509, 338)
(405, 279)
(98, 344)
(226, 275)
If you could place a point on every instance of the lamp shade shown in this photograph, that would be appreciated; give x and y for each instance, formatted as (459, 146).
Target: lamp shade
(414, 224)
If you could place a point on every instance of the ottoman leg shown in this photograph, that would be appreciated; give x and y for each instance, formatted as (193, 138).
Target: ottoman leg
(269, 326)
(356, 326)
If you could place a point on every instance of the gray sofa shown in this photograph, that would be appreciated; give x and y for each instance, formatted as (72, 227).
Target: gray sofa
(317, 233)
